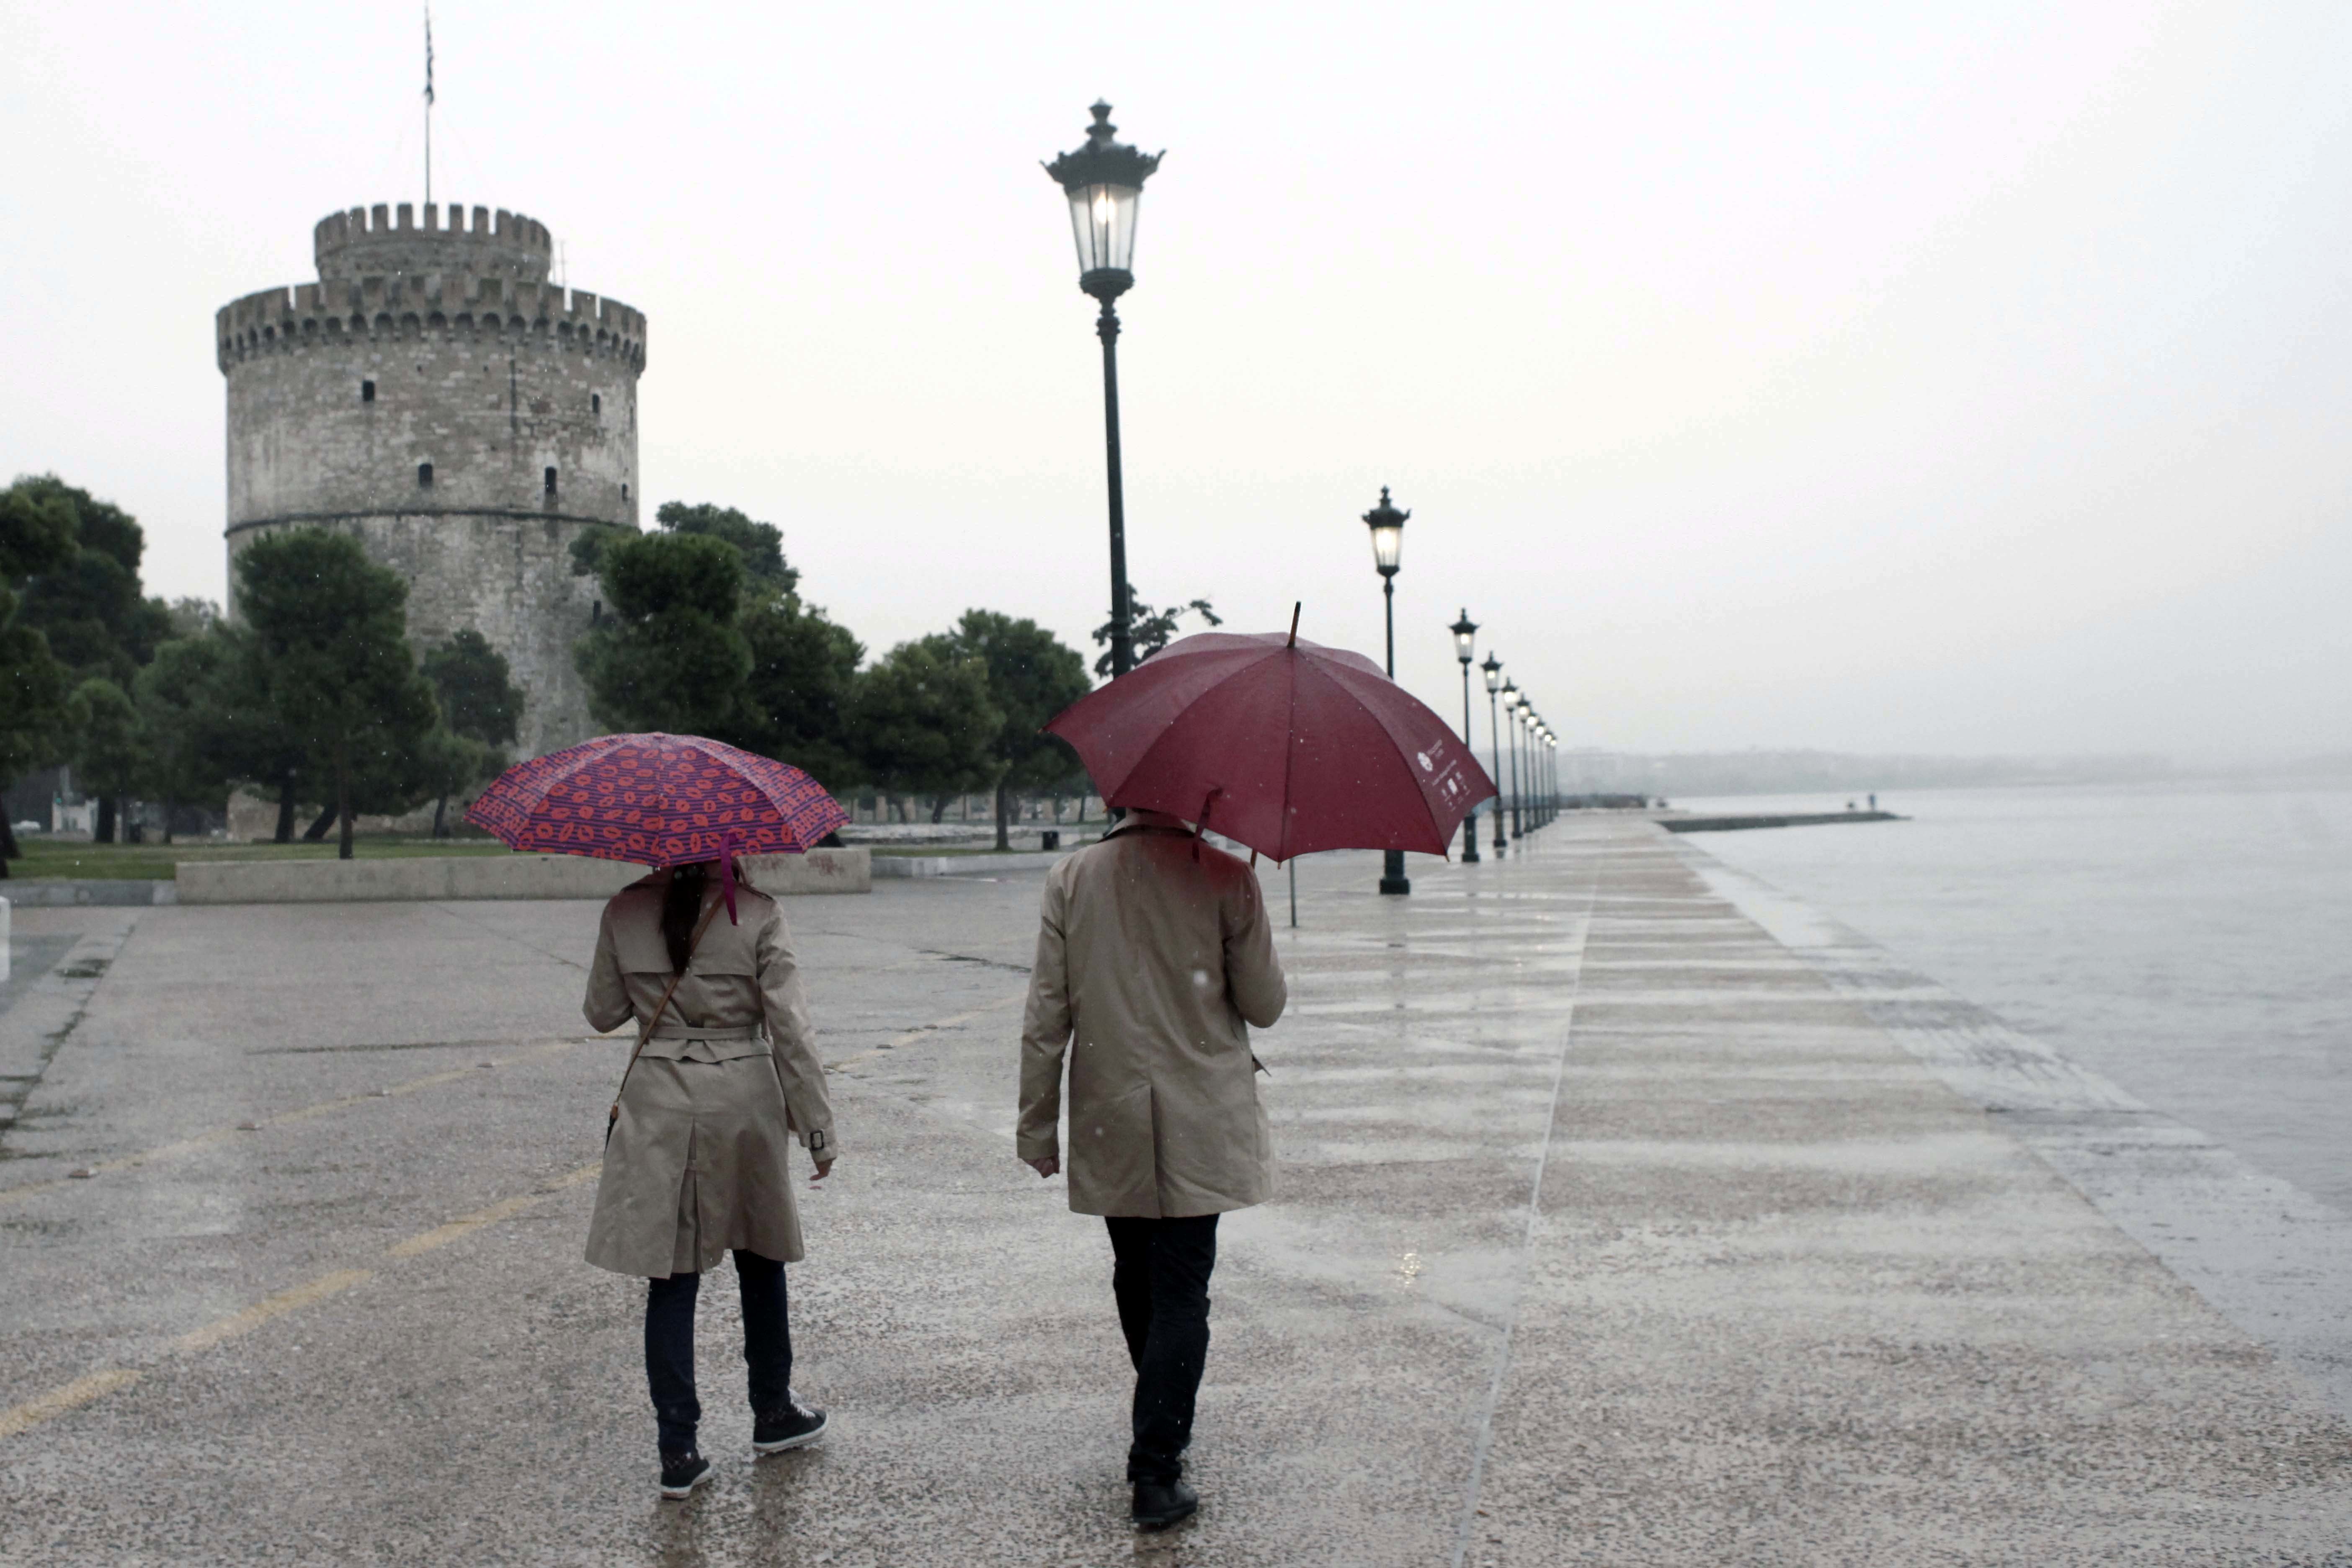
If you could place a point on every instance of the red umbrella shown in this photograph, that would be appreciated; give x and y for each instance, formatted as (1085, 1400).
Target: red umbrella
(1281, 744)
(657, 800)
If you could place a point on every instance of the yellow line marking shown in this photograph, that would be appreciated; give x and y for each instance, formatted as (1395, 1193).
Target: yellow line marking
(300, 1113)
(57, 1401)
(260, 1312)
(916, 1033)
(442, 1236)
(467, 1225)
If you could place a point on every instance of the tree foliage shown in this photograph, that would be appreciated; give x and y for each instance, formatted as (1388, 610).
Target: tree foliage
(669, 657)
(330, 637)
(187, 719)
(479, 709)
(796, 701)
(924, 722)
(1149, 630)
(707, 634)
(1032, 676)
(760, 544)
(107, 755)
(476, 689)
(85, 598)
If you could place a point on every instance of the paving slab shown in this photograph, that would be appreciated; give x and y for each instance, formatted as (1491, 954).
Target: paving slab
(1613, 1228)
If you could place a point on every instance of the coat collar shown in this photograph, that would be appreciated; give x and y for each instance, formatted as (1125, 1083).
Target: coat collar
(1139, 821)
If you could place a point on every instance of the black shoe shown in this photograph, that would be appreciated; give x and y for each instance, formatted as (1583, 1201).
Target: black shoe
(681, 1473)
(1158, 1504)
(790, 1428)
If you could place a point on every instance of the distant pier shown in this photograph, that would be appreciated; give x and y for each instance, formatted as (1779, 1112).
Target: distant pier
(1809, 819)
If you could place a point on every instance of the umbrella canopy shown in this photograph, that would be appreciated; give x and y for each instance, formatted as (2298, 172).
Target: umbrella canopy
(656, 800)
(1289, 747)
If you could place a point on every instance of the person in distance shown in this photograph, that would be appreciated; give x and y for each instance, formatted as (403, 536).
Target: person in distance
(1154, 957)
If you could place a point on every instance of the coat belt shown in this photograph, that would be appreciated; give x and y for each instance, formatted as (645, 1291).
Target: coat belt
(668, 1031)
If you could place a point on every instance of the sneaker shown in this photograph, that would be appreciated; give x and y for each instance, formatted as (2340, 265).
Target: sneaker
(1158, 1504)
(681, 1473)
(790, 1428)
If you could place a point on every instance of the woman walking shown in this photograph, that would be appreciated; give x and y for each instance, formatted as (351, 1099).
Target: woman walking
(695, 1158)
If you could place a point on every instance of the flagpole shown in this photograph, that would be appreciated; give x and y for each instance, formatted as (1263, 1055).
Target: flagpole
(428, 106)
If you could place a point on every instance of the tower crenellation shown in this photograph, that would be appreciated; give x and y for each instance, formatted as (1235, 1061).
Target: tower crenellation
(435, 396)
(387, 239)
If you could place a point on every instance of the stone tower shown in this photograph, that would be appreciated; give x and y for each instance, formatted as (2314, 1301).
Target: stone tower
(435, 397)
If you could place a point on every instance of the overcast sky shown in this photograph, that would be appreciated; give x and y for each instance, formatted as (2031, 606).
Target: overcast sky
(1973, 378)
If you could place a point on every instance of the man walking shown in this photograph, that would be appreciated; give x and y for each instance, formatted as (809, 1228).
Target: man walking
(1154, 956)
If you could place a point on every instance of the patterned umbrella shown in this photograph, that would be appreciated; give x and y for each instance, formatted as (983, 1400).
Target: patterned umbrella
(656, 800)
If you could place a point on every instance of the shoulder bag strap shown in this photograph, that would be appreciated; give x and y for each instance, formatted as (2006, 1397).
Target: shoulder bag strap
(660, 1007)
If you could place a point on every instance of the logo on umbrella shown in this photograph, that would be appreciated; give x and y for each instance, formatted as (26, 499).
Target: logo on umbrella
(1423, 758)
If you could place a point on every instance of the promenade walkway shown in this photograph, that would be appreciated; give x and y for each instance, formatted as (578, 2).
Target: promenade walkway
(1612, 1230)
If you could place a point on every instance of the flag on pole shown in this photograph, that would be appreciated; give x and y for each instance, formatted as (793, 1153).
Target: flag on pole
(428, 54)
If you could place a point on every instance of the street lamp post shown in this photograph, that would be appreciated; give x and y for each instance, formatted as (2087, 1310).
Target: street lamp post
(1543, 763)
(1466, 632)
(1493, 670)
(1104, 181)
(1387, 524)
(1535, 772)
(1511, 707)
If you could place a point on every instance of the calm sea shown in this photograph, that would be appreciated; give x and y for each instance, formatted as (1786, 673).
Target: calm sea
(2193, 942)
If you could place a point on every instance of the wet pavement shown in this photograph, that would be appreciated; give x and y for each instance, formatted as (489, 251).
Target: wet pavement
(1611, 1229)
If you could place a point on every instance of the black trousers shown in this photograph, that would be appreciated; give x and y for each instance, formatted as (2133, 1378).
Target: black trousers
(669, 1346)
(1159, 1273)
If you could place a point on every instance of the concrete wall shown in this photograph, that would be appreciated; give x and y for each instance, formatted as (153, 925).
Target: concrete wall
(460, 877)
(478, 368)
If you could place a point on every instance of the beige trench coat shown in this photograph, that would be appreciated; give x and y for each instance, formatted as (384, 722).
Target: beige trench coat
(1151, 965)
(696, 1162)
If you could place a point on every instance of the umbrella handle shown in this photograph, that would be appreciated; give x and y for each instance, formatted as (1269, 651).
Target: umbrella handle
(1202, 825)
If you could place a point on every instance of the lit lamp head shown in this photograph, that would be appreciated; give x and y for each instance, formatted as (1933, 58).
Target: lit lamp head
(1104, 180)
(1466, 632)
(1387, 524)
(1493, 672)
(1511, 697)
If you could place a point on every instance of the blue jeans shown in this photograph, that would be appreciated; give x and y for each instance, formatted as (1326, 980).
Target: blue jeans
(669, 1346)
(1159, 1274)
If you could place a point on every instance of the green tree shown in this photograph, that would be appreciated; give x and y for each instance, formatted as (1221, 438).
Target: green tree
(87, 600)
(448, 763)
(185, 721)
(1150, 630)
(257, 743)
(1032, 676)
(331, 640)
(669, 657)
(36, 718)
(924, 723)
(760, 544)
(797, 698)
(107, 750)
(479, 706)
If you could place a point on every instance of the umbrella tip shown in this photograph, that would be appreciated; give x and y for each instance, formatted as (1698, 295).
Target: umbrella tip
(1295, 605)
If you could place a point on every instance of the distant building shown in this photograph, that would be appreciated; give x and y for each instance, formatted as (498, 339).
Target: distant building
(435, 397)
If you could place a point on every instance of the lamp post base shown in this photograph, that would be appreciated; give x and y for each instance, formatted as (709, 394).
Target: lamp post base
(1392, 876)
(1470, 839)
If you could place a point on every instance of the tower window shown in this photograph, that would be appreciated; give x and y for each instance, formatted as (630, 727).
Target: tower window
(595, 403)
(550, 481)
(624, 495)
(367, 391)
(423, 476)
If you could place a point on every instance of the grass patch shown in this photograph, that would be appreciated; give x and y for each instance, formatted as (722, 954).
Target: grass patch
(57, 860)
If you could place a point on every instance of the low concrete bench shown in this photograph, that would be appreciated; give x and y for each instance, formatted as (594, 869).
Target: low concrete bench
(426, 879)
